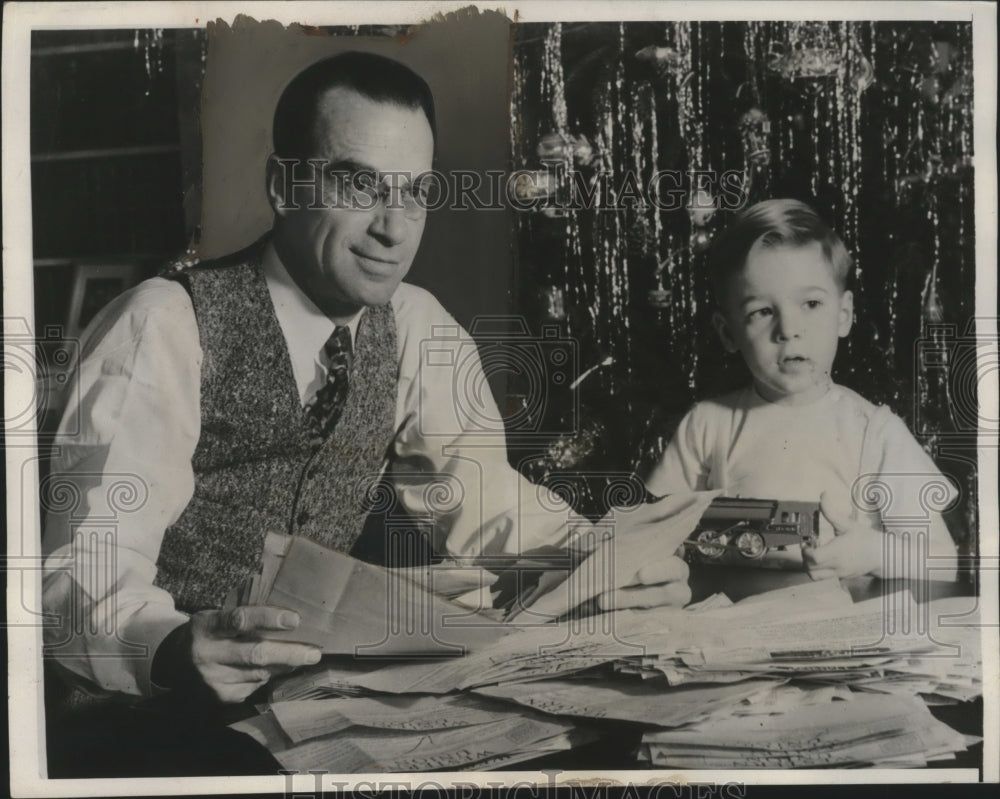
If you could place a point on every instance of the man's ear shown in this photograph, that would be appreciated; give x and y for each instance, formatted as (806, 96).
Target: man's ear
(721, 325)
(275, 178)
(846, 318)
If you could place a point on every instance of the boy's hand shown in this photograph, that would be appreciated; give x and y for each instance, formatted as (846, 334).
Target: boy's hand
(856, 549)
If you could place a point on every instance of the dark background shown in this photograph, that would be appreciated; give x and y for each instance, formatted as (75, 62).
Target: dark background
(113, 138)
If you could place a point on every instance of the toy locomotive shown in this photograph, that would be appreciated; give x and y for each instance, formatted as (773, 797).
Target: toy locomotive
(762, 533)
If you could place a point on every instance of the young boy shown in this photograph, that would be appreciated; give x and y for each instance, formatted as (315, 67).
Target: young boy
(780, 276)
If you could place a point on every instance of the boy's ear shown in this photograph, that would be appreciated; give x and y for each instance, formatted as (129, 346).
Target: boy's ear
(721, 325)
(275, 185)
(846, 318)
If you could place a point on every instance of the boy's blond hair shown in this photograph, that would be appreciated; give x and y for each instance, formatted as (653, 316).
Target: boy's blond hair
(774, 223)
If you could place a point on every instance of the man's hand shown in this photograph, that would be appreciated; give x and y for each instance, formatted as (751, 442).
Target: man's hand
(632, 564)
(647, 539)
(663, 582)
(856, 549)
(229, 656)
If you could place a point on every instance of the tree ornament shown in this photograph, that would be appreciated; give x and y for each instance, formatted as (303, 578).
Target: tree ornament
(810, 53)
(555, 212)
(701, 240)
(583, 151)
(755, 129)
(701, 207)
(535, 185)
(658, 298)
(942, 51)
(559, 147)
(805, 63)
(930, 89)
(571, 449)
(665, 61)
(960, 88)
(814, 53)
(933, 310)
(553, 302)
(862, 75)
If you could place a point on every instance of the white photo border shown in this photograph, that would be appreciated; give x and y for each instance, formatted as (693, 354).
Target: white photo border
(26, 718)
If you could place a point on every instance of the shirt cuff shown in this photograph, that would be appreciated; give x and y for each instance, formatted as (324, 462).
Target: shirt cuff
(152, 632)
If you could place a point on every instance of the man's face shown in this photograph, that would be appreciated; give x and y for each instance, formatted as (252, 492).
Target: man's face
(784, 314)
(345, 255)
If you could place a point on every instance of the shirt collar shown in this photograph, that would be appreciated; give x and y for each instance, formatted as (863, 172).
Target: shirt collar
(304, 326)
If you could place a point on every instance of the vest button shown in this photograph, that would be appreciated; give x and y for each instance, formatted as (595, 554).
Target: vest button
(303, 518)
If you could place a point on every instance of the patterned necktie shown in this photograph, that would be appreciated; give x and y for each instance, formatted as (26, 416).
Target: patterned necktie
(329, 402)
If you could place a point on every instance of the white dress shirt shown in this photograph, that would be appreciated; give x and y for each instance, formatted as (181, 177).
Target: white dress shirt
(122, 461)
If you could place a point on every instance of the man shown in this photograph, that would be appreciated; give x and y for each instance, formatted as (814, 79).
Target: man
(268, 391)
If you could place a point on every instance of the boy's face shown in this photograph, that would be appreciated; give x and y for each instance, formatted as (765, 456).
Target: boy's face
(784, 314)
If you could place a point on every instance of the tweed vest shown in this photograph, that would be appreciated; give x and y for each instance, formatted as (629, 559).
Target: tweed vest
(259, 466)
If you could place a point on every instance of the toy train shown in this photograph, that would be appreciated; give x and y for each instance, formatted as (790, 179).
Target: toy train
(762, 533)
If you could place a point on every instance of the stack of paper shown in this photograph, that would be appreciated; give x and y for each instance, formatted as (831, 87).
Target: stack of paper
(799, 677)
(525, 655)
(628, 701)
(550, 651)
(886, 731)
(353, 735)
(813, 634)
(875, 646)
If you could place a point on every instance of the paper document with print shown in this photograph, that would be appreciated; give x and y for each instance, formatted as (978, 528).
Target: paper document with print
(833, 682)
(891, 626)
(531, 653)
(512, 740)
(856, 653)
(626, 700)
(888, 731)
(348, 607)
(304, 720)
(812, 633)
(644, 642)
(406, 733)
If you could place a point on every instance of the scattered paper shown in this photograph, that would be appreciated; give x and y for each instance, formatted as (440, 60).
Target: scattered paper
(800, 677)
(628, 701)
(882, 730)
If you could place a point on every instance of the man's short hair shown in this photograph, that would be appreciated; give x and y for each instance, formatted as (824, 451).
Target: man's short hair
(774, 223)
(373, 76)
